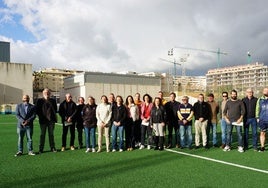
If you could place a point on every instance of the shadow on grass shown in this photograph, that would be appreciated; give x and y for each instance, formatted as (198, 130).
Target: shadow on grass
(69, 177)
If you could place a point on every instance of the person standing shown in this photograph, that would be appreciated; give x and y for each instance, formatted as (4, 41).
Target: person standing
(79, 120)
(46, 109)
(161, 96)
(223, 122)
(67, 112)
(262, 117)
(233, 113)
(157, 121)
(202, 113)
(137, 130)
(119, 114)
(172, 119)
(25, 114)
(185, 115)
(104, 114)
(146, 108)
(111, 100)
(132, 118)
(212, 123)
(90, 124)
(250, 103)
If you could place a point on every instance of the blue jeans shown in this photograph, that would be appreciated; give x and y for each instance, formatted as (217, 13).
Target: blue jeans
(212, 126)
(253, 123)
(238, 132)
(29, 133)
(120, 131)
(223, 131)
(186, 137)
(90, 132)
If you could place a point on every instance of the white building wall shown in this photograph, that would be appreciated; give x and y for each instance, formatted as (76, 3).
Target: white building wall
(15, 81)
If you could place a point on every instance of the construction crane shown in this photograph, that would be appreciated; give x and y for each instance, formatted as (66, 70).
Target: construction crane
(174, 63)
(218, 52)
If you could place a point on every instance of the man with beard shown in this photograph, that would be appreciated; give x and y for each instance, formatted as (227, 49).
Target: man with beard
(46, 109)
(233, 113)
(262, 116)
(25, 113)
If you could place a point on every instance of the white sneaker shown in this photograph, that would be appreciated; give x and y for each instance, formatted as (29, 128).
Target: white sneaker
(121, 150)
(142, 147)
(226, 148)
(149, 147)
(93, 150)
(114, 150)
(240, 149)
(88, 150)
(31, 153)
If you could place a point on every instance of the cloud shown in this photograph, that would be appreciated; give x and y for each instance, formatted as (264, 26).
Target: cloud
(132, 35)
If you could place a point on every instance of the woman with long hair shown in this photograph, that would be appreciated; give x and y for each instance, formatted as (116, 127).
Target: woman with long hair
(104, 114)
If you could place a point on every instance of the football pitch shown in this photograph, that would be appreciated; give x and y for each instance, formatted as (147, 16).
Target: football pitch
(138, 168)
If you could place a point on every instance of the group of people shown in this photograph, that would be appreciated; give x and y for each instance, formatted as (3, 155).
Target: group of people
(145, 123)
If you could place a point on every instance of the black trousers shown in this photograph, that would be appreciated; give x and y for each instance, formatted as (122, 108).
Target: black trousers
(137, 131)
(65, 132)
(172, 125)
(130, 132)
(144, 130)
(79, 128)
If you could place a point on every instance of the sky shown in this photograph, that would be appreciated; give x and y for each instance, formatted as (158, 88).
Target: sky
(135, 35)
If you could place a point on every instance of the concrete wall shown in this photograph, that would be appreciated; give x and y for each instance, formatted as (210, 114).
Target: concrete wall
(15, 81)
(98, 84)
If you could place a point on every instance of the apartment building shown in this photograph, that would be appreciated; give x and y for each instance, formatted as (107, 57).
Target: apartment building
(51, 78)
(239, 77)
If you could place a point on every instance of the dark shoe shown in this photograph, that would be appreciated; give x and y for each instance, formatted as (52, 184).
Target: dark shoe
(196, 147)
(206, 147)
(261, 149)
(177, 146)
(215, 145)
(156, 148)
(40, 151)
(81, 146)
(161, 148)
(53, 150)
(222, 146)
(19, 153)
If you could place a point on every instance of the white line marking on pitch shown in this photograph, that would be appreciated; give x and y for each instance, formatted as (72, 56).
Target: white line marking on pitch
(219, 161)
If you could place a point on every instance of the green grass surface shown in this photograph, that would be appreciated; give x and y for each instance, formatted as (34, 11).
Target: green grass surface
(139, 168)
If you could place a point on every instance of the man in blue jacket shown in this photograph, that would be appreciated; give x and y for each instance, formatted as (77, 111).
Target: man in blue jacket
(25, 113)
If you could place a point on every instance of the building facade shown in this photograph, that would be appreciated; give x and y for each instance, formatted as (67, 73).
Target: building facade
(240, 77)
(50, 78)
(15, 81)
(4, 51)
(97, 84)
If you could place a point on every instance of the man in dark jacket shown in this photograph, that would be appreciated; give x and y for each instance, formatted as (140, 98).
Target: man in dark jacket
(46, 109)
(202, 113)
(249, 119)
(67, 111)
(172, 119)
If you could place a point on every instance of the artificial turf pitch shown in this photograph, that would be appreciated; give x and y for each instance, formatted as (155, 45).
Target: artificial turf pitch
(138, 168)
